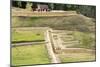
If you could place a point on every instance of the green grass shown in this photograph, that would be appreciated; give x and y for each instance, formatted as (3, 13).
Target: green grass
(75, 22)
(83, 40)
(27, 35)
(87, 40)
(25, 55)
(78, 57)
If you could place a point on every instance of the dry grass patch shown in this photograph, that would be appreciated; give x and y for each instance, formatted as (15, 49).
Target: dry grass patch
(77, 57)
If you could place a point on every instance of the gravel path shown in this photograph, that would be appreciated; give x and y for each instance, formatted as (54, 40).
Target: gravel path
(49, 45)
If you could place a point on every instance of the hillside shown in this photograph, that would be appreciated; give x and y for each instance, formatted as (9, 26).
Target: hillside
(73, 22)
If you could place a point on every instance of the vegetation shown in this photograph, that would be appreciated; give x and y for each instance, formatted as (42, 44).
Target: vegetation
(82, 26)
(87, 40)
(86, 10)
(77, 57)
(26, 55)
(30, 35)
(75, 22)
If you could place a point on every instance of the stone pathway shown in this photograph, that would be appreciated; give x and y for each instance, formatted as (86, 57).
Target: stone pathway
(49, 45)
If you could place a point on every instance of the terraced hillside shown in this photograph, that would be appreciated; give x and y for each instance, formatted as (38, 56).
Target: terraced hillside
(69, 49)
(28, 46)
(59, 46)
(52, 38)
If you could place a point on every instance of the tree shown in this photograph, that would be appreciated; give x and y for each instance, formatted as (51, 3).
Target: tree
(89, 11)
(23, 4)
(51, 6)
(34, 6)
(15, 3)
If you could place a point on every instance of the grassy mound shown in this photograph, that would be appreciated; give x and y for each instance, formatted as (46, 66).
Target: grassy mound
(75, 22)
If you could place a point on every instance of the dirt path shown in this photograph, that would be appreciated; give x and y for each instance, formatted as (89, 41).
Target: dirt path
(49, 46)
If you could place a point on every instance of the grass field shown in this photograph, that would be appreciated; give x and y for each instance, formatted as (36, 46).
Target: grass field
(87, 40)
(25, 55)
(77, 57)
(27, 35)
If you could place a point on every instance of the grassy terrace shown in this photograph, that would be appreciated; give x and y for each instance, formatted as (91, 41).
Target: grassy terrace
(87, 40)
(42, 14)
(25, 55)
(30, 54)
(84, 39)
(77, 57)
(27, 35)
